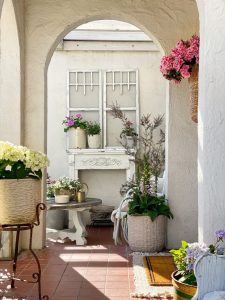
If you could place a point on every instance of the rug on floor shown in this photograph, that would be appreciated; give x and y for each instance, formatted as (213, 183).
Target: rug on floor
(159, 269)
(142, 287)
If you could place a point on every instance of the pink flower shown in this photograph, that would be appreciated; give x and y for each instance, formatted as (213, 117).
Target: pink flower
(78, 116)
(166, 63)
(70, 123)
(178, 62)
(185, 71)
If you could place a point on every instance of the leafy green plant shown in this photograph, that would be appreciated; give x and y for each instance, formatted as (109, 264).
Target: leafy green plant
(148, 204)
(93, 128)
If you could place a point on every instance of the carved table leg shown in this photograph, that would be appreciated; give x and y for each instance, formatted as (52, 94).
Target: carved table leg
(80, 228)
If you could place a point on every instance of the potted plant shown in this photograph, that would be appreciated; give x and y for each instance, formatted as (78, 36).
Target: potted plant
(128, 134)
(184, 280)
(181, 63)
(93, 133)
(20, 183)
(76, 127)
(146, 218)
(81, 192)
(64, 189)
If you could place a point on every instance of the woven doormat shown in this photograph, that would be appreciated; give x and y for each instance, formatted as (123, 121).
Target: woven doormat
(159, 269)
(142, 287)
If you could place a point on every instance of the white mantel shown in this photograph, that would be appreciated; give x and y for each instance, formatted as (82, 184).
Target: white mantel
(100, 159)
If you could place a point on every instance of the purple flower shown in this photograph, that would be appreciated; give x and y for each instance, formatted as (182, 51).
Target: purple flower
(70, 123)
(220, 234)
(78, 116)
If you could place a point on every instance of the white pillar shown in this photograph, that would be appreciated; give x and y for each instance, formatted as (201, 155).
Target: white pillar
(211, 129)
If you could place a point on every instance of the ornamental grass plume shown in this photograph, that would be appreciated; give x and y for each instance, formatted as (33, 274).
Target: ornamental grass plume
(179, 63)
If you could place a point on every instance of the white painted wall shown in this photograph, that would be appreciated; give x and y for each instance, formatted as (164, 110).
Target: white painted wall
(211, 146)
(10, 76)
(102, 184)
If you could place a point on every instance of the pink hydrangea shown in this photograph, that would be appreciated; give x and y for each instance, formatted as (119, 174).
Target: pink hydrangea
(178, 64)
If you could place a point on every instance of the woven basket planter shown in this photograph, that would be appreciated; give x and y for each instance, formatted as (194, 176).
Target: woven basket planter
(18, 200)
(193, 80)
(145, 235)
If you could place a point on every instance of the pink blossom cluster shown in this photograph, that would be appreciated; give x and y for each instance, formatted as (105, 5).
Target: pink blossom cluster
(178, 64)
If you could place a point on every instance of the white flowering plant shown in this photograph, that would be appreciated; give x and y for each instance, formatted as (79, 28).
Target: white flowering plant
(64, 186)
(186, 255)
(19, 162)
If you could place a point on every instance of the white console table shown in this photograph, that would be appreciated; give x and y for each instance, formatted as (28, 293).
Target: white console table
(100, 159)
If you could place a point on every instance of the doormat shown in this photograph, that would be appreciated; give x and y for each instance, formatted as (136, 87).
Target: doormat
(159, 269)
(142, 287)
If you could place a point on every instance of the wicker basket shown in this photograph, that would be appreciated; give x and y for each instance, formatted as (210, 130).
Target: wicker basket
(18, 200)
(145, 235)
(193, 80)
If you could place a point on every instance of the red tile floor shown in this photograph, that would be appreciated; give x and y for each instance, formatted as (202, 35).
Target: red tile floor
(98, 271)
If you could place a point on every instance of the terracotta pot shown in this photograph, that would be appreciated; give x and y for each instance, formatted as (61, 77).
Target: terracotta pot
(182, 291)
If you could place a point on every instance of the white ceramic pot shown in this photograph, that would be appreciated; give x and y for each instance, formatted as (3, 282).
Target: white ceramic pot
(94, 141)
(77, 138)
(62, 199)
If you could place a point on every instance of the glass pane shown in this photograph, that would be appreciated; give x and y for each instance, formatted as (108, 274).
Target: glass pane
(72, 78)
(95, 77)
(126, 99)
(78, 99)
(114, 128)
(133, 77)
(118, 76)
(125, 77)
(109, 77)
(80, 77)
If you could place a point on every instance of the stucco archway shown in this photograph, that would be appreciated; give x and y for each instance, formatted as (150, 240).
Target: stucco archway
(47, 23)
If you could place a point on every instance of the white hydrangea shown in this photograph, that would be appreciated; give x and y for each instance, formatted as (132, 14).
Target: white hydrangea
(11, 152)
(32, 159)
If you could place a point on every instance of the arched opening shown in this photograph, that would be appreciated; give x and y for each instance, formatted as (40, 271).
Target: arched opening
(96, 49)
(10, 82)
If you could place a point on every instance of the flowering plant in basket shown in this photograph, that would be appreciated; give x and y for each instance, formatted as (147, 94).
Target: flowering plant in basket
(19, 162)
(74, 121)
(186, 256)
(180, 62)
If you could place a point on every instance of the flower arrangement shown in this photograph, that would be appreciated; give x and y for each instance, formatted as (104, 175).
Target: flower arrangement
(19, 162)
(186, 256)
(74, 121)
(63, 186)
(179, 63)
(93, 128)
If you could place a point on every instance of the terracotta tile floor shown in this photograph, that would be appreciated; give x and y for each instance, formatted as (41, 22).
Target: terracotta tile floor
(98, 271)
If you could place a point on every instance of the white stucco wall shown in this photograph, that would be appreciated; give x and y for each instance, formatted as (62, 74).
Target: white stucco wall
(102, 184)
(211, 162)
(10, 76)
(46, 23)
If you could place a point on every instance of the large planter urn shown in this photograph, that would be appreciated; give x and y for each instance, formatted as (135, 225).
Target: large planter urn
(145, 235)
(18, 200)
(94, 141)
(77, 138)
(182, 291)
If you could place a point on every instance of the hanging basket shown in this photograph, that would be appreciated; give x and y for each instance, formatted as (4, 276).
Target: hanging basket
(18, 200)
(193, 80)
